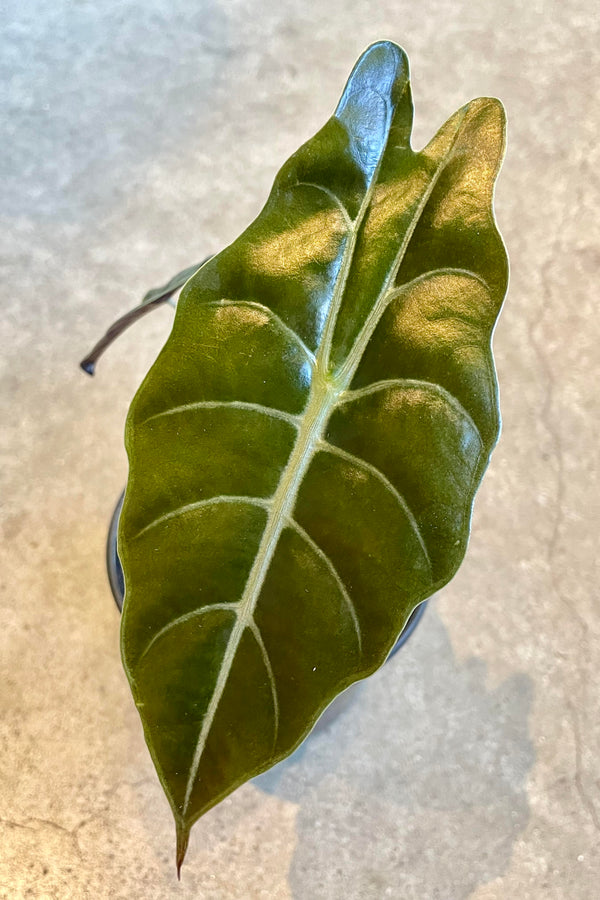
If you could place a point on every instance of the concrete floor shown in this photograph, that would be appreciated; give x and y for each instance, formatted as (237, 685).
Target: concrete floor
(140, 136)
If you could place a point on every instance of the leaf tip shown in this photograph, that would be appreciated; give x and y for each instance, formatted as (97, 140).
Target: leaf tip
(183, 836)
(383, 62)
(388, 48)
(377, 91)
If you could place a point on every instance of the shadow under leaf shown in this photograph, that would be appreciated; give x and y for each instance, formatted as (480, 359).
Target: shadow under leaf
(418, 789)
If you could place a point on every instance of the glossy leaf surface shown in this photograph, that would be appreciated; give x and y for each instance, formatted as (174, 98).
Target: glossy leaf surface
(305, 451)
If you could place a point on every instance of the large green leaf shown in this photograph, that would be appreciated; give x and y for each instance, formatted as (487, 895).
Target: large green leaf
(305, 451)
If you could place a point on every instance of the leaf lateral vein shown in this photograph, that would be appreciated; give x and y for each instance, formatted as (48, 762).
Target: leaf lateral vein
(378, 474)
(290, 418)
(200, 504)
(334, 572)
(408, 383)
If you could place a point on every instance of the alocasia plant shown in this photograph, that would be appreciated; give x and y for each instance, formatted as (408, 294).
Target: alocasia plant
(305, 451)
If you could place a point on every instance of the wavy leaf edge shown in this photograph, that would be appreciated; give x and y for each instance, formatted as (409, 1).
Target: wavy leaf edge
(330, 389)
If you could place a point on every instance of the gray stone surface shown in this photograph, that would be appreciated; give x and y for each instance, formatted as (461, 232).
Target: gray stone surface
(138, 137)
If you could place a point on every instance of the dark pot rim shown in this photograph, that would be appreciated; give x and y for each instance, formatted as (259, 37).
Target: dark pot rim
(117, 582)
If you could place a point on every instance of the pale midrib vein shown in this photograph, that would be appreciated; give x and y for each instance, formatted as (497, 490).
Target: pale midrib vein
(290, 418)
(320, 404)
(340, 284)
(281, 505)
(378, 474)
(417, 384)
(200, 504)
(355, 355)
(318, 408)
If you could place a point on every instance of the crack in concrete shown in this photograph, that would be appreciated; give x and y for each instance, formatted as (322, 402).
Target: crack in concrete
(111, 791)
(73, 833)
(31, 821)
(553, 431)
(585, 798)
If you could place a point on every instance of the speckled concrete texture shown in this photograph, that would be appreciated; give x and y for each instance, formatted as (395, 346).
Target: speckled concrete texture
(139, 137)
